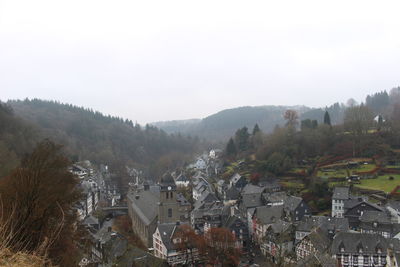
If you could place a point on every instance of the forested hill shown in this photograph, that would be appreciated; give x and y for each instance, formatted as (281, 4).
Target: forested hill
(223, 124)
(88, 134)
(17, 137)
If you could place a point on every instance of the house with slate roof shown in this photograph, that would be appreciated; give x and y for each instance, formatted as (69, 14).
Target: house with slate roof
(340, 195)
(275, 198)
(165, 240)
(317, 242)
(356, 249)
(263, 217)
(330, 224)
(378, 222)
(295, 208)
(278, 240)
(355, 208)
(231, 196)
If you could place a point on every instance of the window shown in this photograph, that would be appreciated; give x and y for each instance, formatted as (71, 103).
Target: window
(167, 194)
(169, 213)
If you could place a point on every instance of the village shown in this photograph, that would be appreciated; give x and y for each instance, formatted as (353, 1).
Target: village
(270, 226)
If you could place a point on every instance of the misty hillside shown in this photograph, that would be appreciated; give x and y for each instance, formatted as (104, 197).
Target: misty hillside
(87, 134)
(223, 124)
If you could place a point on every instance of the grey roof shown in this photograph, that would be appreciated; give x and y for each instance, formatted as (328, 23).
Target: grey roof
(341, 193)
(232, 194)
(351, 203)
(145, 204)
(251, 201)
(320, 240)
(252, 189)
(275, 197)
(394, 204)
(317, 259)
(166, 230)
(292, 202)
(206, 197)
(270, 183)
(352, 241)
(90, 220)
(375, 216)
(232, 220)
(308, 223)
(280, 226)
(269, 214)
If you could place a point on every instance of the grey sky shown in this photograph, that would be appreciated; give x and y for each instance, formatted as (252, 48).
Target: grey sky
(162, 60)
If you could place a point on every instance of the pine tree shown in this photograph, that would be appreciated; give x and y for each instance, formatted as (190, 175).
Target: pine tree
(230, 147)
(256, 129)
(327, 118)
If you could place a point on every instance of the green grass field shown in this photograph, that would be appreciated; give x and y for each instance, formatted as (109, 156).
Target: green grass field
(381, 183)
(342, 172)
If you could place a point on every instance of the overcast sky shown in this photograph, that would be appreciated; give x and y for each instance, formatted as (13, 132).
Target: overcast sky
(163, 60)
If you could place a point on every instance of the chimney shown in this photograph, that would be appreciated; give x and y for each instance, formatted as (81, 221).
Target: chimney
(109, 229)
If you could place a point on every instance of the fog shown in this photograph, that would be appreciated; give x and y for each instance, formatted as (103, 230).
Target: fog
(164, 60)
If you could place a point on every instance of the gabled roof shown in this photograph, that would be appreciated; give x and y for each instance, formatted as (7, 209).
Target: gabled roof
(352, 240)
(145, 204)
(320, 240)
(232, 194)
(251, 201)
(206, 197)
(348, 205)
(308, 223)
(166, 230)
(268, 214)
(375, 216)
(252, 189)
(292, 202)
(341, 193)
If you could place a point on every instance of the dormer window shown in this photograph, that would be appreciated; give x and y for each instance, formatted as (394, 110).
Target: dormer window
(360, 248)
(341, 247)
(378, 249)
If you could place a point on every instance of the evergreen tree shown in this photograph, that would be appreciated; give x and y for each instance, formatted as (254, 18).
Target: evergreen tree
(242, 139)
(230, 147)
(327, 118)
(256, 129)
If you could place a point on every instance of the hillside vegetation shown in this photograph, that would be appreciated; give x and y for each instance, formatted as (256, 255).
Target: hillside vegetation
(88, 134)
(222, 125)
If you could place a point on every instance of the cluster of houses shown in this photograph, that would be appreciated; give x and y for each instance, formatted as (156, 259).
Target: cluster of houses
(358, 232)
(102, 245)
